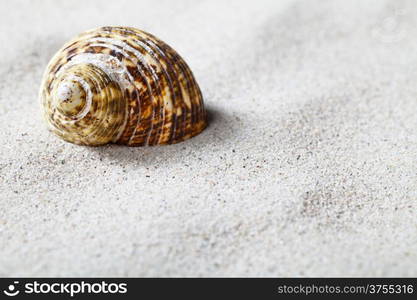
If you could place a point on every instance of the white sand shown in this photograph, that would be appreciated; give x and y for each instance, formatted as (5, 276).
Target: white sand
(308, 168)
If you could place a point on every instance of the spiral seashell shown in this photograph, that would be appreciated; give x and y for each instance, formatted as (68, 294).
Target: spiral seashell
(121, 85)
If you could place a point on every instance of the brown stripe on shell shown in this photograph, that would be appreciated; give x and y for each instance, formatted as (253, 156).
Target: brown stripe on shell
(162, 78)
(142, 72)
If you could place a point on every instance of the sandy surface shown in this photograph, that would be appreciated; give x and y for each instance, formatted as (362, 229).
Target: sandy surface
(308, 168)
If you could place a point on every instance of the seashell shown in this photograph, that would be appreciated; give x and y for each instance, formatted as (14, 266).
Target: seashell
(121, 85)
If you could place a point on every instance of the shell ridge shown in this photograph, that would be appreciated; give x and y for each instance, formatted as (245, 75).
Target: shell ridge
(140, 42)
(171, 72)
(125, 73)
(168, 71)
(144, 43)
(126, 47)
(198, 115)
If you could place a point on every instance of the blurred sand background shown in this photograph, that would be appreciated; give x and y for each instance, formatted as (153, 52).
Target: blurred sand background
(308, 168)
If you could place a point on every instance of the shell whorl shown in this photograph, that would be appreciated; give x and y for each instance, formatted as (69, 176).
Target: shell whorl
(121, 85)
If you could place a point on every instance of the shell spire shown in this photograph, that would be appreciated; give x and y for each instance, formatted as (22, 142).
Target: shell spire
(121, 85)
